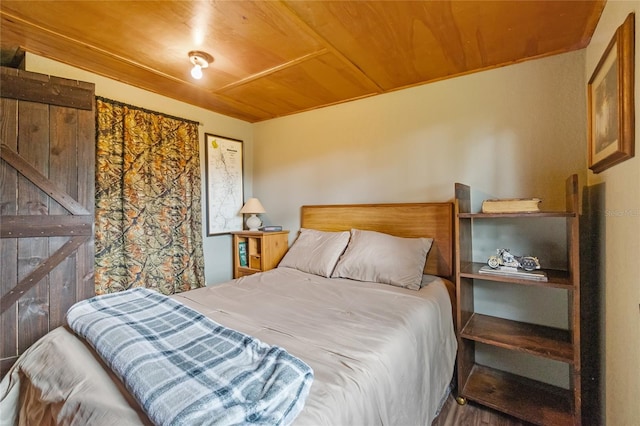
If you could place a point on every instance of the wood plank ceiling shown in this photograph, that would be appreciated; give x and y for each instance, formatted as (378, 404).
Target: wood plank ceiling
(275, 58)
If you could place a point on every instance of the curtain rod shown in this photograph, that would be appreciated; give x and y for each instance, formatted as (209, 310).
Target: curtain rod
(147, 110)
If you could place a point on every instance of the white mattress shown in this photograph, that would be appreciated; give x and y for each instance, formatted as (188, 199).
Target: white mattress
(380, 354)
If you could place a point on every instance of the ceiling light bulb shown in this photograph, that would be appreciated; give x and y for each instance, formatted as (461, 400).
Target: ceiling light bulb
(199, 60)
(196, 72)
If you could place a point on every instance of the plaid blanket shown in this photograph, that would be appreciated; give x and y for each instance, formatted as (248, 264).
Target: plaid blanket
(184, 368)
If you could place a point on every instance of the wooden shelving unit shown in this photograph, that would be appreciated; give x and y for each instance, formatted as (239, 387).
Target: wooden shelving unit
(263, 251)
(527, 399)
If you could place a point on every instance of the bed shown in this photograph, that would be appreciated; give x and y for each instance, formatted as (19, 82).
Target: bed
(344, 301)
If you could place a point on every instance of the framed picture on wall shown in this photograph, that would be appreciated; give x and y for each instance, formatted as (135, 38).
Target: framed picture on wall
(611, 102)
(224, 183)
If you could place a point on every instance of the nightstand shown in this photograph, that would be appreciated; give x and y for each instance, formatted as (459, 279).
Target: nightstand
(256, 251)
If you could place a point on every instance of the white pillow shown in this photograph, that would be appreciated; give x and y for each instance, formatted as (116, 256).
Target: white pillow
(316, 252)
(383, 258)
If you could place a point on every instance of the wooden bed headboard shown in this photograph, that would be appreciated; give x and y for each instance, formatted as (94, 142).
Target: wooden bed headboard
(409, 220)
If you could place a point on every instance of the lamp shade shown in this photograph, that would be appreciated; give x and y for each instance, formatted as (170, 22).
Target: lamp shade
(252, 205)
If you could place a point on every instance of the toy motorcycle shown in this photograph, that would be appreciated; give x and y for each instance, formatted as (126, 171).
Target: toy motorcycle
(506, 259)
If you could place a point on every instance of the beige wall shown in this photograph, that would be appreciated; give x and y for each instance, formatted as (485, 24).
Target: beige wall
(217, 249)
(516, 131)
(620, 268)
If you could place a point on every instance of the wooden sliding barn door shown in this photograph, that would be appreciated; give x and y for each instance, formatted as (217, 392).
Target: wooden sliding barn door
(47, 130)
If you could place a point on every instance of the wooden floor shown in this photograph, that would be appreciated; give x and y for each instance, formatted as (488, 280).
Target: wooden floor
(470, 414)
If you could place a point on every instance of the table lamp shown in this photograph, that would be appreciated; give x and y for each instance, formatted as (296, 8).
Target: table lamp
(253, 207)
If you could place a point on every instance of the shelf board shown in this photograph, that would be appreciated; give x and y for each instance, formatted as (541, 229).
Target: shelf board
(527, 399)
(515, 215)
(547, 342)
(556, 278)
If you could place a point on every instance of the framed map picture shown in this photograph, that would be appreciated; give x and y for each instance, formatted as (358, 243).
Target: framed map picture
(224, 180)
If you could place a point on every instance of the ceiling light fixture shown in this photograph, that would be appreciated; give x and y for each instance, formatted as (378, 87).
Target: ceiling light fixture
(199, 60)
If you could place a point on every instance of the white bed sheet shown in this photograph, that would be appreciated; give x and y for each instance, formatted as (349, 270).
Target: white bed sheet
(380, 354)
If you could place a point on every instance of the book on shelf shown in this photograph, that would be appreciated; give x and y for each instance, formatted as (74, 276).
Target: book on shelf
(535, 275)
(511, 205)
(242, 253)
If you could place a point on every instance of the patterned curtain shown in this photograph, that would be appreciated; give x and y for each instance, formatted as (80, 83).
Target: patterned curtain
(148, 208)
